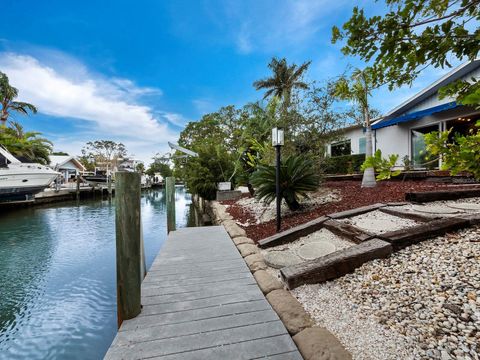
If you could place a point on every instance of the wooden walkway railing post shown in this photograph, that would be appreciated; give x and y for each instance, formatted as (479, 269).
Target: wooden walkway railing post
(128, 241)
(170, 197)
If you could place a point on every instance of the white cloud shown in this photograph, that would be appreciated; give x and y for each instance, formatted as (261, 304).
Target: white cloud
(109, 107)
(271, 27)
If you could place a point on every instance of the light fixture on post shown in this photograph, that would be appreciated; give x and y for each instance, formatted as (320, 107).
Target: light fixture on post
(277, 142)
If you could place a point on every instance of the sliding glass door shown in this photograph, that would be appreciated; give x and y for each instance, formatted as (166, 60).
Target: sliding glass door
(420, 157)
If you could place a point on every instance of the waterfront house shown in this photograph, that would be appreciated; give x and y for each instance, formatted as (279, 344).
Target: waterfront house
(67, 165)
(402, 129)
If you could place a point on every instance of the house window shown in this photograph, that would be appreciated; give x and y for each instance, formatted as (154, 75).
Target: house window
(341, 148)
(420, 157)
(362, 145)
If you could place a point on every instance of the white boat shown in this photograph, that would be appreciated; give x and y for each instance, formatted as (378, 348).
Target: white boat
(20, 181)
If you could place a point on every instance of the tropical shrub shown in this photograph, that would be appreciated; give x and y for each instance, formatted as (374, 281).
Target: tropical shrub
(345, 164)
(26, 145)
(461, 154)
(214, 164)
(297, 177)
(383, 166)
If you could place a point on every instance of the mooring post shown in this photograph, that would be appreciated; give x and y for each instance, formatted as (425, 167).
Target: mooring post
(170, 197)
(77, 192)
(128, 240)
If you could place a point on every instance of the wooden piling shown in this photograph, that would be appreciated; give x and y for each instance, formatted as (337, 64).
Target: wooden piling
(170, 197)
(128, 241)
(77, 191)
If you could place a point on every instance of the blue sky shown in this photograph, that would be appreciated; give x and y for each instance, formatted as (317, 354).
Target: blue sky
(137, 72)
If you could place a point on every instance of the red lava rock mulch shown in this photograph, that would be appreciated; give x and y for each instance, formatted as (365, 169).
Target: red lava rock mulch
(352, 196)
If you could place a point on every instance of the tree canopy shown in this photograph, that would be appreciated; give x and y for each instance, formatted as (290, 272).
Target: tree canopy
(8, 94)
(284, 79)
(26, 145)
(102, 153)
(412, 35)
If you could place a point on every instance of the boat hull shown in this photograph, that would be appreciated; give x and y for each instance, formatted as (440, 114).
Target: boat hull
(96, 180)
(22, 186)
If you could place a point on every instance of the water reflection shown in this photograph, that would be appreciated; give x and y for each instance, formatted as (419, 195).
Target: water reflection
(57, 275)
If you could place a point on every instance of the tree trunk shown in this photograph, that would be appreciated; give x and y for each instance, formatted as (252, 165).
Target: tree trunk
(251, 190)
(368, 179)
(293, 205)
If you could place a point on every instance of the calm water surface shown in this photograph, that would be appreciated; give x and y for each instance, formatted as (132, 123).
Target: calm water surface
(57, 275)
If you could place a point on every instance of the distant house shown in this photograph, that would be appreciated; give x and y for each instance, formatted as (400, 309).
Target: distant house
(67, 165)
(401, 131)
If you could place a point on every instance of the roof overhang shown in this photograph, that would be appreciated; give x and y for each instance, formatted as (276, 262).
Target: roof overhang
(453, 75)
(415, 115)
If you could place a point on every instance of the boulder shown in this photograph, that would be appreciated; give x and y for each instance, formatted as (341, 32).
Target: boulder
(243, 240)
(267, 282)
(247, 249)
(319, 344)
(233, 229)
(290, 311)
(335, 264)
(255, 262)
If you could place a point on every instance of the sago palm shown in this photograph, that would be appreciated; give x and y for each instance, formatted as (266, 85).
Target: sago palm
(8, 94)
(284, 79)
(297, 178)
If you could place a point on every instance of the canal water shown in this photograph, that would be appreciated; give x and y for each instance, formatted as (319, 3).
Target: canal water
(57, 274)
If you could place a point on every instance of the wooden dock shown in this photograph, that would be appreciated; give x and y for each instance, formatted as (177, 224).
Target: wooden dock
(200, 301)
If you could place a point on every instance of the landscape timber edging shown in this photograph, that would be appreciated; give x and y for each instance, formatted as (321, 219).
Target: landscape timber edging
(357, 211)
(413, 235)
(429, 196)
(473, 219)
(336, 264)
(348, 231)
(293, 233)
(410, 214)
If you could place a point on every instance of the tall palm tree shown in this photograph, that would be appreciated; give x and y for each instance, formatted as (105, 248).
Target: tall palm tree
(358, 89)
(26, 144)
(8, 94)
(284, 79)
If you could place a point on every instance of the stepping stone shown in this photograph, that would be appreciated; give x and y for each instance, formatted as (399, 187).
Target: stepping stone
(279, 259)
(435, 209)
(315, 250)
(465, 206)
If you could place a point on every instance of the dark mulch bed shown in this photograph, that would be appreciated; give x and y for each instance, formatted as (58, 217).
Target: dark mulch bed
(353, 196)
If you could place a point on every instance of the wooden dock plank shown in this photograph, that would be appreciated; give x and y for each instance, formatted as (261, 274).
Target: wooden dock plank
(200, 301)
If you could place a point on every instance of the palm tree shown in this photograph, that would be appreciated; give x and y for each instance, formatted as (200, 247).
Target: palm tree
(7, 100)
(358, 89)
(284, 80)
(26, 144)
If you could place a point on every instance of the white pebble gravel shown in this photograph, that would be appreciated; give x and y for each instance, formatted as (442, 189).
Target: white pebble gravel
(421, 303)
(378, 222)
(264, 213)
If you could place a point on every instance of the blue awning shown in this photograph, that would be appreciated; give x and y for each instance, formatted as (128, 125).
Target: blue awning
(415, 115)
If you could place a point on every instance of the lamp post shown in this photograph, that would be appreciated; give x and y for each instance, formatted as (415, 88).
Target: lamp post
(277, 142)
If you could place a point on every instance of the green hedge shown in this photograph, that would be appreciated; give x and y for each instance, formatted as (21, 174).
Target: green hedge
(345, 164)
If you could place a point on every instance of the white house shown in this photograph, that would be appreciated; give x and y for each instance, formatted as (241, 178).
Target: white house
(67, 165)
(402, 129)
(353, 142)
